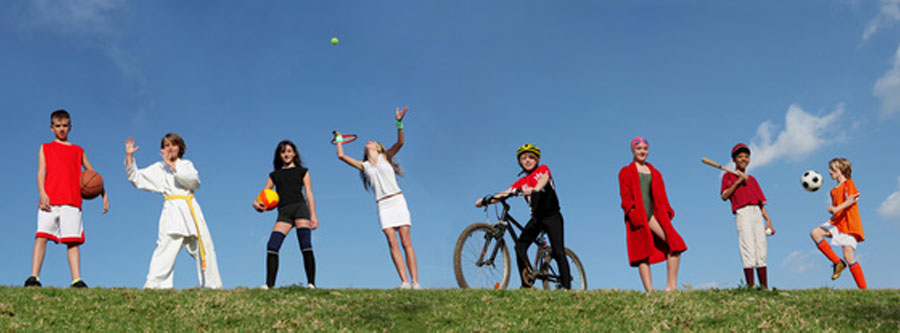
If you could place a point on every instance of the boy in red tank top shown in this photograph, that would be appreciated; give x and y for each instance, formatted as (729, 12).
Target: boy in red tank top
(59, 209)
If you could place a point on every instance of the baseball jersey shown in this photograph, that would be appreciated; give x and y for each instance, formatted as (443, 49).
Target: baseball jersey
(746, 194)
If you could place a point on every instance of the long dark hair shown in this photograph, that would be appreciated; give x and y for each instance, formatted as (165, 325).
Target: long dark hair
(367, 184)
(278, 162)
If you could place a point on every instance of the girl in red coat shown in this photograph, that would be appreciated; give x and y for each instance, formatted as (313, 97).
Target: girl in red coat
(648, 218)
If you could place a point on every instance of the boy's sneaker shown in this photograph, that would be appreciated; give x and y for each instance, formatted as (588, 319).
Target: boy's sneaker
(838, 268)
(405, 285)
(310, 286)
(78, 284)
(417, 286)
(33, 281)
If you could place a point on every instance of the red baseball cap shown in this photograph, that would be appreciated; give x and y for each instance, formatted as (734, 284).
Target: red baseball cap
(739, 148)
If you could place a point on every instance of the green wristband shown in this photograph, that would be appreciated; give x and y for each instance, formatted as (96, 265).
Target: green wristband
(399, 124)
(339, 139)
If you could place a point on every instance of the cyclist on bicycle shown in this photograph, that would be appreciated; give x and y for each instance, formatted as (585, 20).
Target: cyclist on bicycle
(540, 193)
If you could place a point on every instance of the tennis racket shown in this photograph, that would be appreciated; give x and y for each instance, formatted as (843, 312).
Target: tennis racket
(348, 138)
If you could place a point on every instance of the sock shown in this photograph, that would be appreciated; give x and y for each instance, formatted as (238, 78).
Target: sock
(304, 237)
(275, 240)
(309, 262)
(271, 269)
(858, 275)
(748, 276)
(763, 280)
(827, 251)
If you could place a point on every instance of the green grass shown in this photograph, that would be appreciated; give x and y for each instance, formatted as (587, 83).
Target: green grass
(460, 310)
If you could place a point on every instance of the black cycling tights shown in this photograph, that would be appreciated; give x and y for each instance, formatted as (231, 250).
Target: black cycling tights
(553, 225)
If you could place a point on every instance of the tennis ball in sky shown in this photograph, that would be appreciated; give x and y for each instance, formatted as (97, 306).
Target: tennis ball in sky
(334, 40)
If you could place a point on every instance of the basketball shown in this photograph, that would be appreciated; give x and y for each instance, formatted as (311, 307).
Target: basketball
(269, 198)
(91, 184)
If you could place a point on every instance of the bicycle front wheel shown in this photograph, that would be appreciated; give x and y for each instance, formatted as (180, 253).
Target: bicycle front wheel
(576, 270)
(481, 259)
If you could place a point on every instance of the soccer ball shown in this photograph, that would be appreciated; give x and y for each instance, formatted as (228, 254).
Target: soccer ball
(811, 180)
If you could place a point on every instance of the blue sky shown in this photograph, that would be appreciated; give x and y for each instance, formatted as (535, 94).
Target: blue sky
(801, 82)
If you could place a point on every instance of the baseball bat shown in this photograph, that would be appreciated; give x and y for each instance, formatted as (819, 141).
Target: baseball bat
(717, 165)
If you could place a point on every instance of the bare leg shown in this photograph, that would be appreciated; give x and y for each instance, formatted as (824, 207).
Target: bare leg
(411, 261)
(818, 234)
(37, 255)
(74, 254)
(672, 260)
(646, 278)
(656, 228)
(849, 257)
(391, 236)
(672, 263)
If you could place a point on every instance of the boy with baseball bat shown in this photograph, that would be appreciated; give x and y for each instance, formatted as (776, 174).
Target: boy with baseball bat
(748, 206)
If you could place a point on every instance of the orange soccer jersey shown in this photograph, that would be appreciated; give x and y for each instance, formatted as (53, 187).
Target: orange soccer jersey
(847, 220)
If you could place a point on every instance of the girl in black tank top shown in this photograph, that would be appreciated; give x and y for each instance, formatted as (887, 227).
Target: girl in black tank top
(291, 181)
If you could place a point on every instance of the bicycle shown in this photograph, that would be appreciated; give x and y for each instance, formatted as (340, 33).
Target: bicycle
(481, 257)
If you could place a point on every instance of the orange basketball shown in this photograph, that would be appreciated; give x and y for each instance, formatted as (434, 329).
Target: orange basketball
(91, 184)
(269, 198)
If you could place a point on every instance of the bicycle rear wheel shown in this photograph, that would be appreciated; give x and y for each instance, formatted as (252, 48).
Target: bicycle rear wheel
(551, 280)
(479, 260)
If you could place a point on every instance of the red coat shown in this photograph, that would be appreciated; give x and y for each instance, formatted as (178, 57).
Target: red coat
(642, 245)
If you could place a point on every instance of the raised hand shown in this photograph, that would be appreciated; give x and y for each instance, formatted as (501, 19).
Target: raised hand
(401, 113)
(130, 148)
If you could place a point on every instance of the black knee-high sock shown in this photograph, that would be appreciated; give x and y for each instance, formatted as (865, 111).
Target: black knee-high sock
(309, 262)
(304, 237)
(272, 248)
(271, 269)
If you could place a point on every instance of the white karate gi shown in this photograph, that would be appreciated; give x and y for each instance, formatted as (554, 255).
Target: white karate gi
(176, 224)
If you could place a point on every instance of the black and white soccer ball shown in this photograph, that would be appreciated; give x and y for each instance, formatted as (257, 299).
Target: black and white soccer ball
(811, 181)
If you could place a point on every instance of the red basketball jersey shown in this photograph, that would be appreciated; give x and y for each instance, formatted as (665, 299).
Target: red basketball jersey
(63, 181)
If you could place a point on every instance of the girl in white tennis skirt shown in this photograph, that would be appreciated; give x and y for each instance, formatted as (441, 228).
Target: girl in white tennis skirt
(379, 173)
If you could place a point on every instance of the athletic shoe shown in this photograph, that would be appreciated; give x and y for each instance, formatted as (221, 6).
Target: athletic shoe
(78, 284)
(417, 286)
(405, 285)
(838, 268)
(33, 281)
(310, 286)
(263, 287)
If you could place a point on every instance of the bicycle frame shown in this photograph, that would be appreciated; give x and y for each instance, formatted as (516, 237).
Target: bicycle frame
(503, 227)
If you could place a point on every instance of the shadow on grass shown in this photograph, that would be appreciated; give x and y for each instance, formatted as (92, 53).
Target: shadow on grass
(396, 315)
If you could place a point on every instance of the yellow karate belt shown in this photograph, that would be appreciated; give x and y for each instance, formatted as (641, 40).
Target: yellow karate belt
(190, 201)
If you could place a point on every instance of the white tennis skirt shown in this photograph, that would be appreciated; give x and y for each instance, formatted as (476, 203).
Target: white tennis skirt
(392, 212)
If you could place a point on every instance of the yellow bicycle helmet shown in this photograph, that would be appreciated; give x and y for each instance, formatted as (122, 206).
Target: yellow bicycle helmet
(528, 148)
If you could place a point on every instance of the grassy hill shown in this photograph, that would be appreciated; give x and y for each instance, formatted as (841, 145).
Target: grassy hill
(462, 310)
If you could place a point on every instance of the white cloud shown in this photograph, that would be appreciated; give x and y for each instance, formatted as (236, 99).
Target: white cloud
(803, 133)
(890, 208)
(799, 261)
(888, 14)
(887, 88)
(80, 17)
(93, 24)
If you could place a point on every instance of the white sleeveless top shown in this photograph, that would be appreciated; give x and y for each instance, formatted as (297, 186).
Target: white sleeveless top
(382, 177)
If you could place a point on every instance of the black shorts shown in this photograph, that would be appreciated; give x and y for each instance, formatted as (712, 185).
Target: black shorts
(291, 212)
